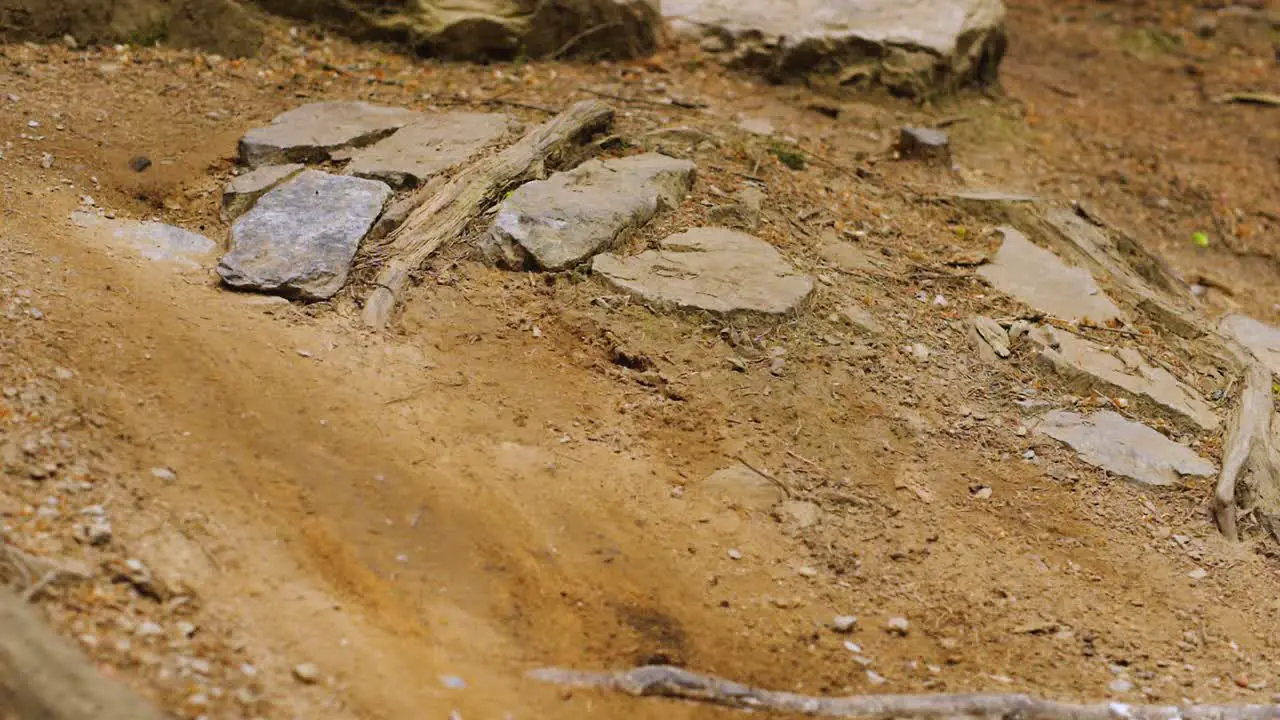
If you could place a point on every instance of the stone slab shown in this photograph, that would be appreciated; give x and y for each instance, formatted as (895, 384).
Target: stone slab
(1124, 447)
(1261, 339)
(311, 133)
(720, 271)
(912, 46)
(1092, 365)
(436, 143)
(564, 220)
(151, 240)
(244, 190)
(300, 238)
(1042, 280)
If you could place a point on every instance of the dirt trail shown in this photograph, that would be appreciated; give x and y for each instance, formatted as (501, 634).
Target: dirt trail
(486, 491)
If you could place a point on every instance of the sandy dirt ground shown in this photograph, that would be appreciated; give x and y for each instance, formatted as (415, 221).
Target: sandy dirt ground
(426, 514)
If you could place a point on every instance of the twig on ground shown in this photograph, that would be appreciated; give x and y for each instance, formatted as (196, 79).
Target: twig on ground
(673, 682)
(785, 490)
(580, 37)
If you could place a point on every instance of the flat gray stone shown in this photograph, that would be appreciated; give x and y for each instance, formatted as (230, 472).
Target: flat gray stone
(1091, 365)
(742, 486)
(1261, 339)
(300, 238)
(1125, 448)
(151, 240)
(417, 151)
(559, 222)
(311, 133)
(860, 320)
(916, 45)
(244, 190)
(720, 271)
(1042, 280)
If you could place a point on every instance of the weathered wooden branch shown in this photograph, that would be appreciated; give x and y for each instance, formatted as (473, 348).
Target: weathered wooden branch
(476, 188)
(43, 677)
(672, 682)
(1250, 476)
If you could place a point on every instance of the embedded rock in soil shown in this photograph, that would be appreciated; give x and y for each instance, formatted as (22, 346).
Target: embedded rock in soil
(741, 486)
(424, 148)
(559, 222)
(721, 271)
(1039, 278)
(497, 29)
(844, 254)
(860, 319)
(913, 47)
(1126, 448)
(151, 240)
(244, 190)
(743, 213)
(1091, 366)
(300, 238)
(1261, 339)
(925, 144)
(311, 133)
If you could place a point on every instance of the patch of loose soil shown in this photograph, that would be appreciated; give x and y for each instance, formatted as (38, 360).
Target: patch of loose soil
(486, 490)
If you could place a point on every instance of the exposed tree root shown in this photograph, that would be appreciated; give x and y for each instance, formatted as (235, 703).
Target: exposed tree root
(672, 682)
(1250, 479)
(443, 216)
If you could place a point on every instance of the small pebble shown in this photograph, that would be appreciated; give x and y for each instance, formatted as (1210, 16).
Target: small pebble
(306, 673)
(844, 623)
(898, 625)
(875, 678)
(164, 473)
(1121, 685)
(1198, 574)
(453, 682)
(735, 554)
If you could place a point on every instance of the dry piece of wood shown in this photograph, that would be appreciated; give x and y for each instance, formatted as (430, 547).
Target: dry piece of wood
(672, 682)
(44, 676)
(1250, 478)
(1251, 98)
(443, 216)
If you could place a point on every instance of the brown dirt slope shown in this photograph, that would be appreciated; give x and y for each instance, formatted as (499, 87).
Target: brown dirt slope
(427, 514)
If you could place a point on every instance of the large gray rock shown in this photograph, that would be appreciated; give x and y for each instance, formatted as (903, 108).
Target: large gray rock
(483, 29)
(300, 238)
(244, 190)
(1261, 339)
(1042, 280)
(720, 271)
(914, 47)
(561, 221)
(311, 133)
(429, 146)
(1126, 448)
(1091, 366)
(151, 240)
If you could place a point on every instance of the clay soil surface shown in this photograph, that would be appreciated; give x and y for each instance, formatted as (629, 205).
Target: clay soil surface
(426, 514)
